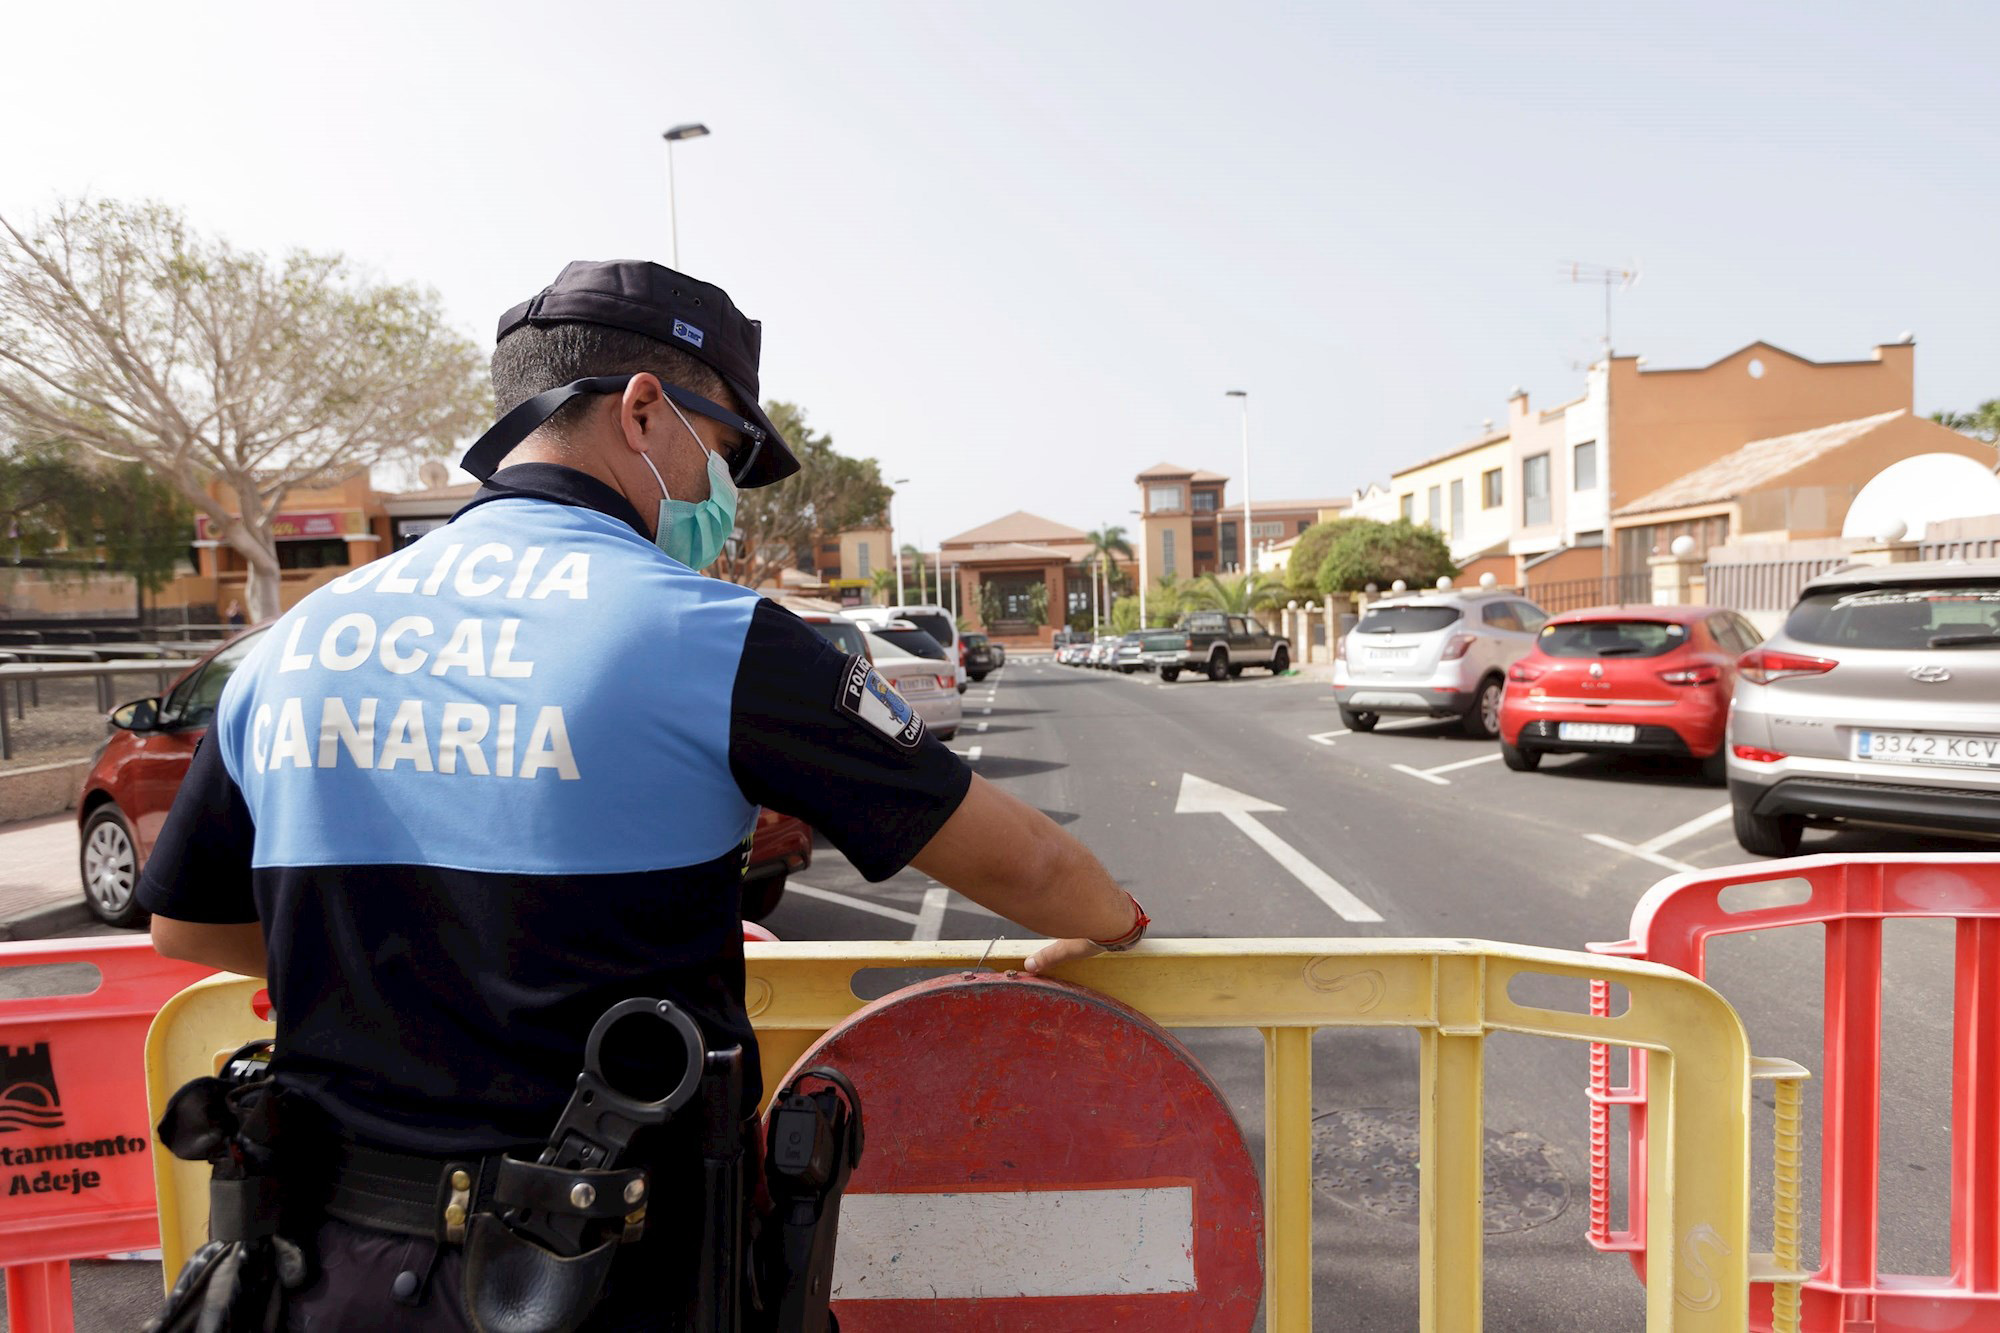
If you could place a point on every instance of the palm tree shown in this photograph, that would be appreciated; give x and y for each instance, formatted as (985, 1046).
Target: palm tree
(885, 583)
(1243, 593)
(1106, 544)
(923, 588)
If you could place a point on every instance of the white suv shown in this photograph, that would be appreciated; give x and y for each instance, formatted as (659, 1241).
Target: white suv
(1441, 654)
(935, 621)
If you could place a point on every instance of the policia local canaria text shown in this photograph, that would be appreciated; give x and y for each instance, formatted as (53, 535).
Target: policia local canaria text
(512, 740)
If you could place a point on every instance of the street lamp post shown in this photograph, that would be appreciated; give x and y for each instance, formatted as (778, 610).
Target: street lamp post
(895, 551)
(1243, 547)
(1142, 565)
(674, 136)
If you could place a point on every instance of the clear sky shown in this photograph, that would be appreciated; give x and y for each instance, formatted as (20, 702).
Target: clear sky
(1017, 251)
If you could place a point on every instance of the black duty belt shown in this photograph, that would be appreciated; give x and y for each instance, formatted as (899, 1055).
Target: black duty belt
(414, 1195)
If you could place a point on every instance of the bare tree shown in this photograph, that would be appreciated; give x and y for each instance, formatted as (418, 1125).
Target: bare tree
(138, 339)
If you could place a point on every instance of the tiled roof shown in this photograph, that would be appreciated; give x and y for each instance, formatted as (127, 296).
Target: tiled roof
(1756, 464)
(1011, 551)
(1165, 470)
(1019, 526)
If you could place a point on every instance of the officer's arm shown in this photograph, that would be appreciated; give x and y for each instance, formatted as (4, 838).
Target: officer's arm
(230, 948)
(1010, 857)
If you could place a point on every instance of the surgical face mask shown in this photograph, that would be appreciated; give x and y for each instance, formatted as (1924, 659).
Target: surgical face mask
(690, 532)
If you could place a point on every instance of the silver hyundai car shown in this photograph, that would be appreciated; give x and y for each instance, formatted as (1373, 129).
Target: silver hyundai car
(1877, 703)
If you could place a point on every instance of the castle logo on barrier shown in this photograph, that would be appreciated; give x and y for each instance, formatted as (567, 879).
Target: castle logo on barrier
(28, 1099)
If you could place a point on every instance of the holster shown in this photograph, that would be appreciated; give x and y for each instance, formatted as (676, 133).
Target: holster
(517, 1285)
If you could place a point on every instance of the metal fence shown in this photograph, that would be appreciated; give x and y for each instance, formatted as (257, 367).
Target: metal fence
(1576, 594)
(1765, 585)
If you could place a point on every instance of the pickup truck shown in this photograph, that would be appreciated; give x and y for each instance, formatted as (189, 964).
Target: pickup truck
(1220, 645)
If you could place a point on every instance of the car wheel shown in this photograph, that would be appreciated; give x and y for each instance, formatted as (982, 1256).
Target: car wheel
(1715, 768)
(1218, 667)
(1170, 674)
(1281, 661)
(109, 860)
(1765, 835)
(963, 688)
(951, 735)
(1520, 758)
(1235, 671)
(760, 898)
(1354, 721)
(978, 676)
(1482, 720)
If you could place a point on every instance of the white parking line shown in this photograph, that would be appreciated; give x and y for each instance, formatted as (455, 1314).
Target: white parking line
(970, 756)
(1651, 850)
(981, 726)
(1431, 774)
(1643, 853)
(1326, 737)
(848, 900)
(1679, 832)
(930, 917)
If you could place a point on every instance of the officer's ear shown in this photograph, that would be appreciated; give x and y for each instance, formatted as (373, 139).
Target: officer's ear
(643, 413)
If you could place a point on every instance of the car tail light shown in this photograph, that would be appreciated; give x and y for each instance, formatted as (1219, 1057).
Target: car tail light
(1457, 646)
(1524, 671)
(947, 682)
(1761, 666)
(1752, 754)
(1340, 649)
(1188, 644)
(961, 652)
(1704, 674)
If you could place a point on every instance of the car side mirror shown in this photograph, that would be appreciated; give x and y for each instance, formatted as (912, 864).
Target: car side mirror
(139, 715)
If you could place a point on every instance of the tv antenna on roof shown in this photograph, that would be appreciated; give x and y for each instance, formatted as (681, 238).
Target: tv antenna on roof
(1623, 279)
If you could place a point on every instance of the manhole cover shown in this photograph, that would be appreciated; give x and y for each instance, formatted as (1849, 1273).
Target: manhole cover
(1367, 1159)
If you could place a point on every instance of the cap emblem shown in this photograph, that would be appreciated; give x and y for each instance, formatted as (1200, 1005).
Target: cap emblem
(687, 332)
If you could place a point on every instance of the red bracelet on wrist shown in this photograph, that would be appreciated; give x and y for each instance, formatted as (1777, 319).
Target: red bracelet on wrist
(1131, 937)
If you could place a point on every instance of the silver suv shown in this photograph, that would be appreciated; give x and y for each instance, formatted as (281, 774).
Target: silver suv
(1440, 654)
(1878, 702)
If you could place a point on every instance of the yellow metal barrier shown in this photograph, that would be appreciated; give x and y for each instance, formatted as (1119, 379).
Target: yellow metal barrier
(1453, 992)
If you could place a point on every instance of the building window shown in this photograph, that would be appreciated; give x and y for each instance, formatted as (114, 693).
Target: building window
(1410, 506)
(1583, 469)
(1535, 490)
(1163, 499)
(861, 560)
(1167, 554)
(1434, 506)
(1268, 532)
(1304, 523)
(317, 553)
(1229, 553)
(1458, 507)
(1593, 538)
(1204, 502)
(1492, 494)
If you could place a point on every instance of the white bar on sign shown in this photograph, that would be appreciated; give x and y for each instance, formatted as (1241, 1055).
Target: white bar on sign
(986, 1246)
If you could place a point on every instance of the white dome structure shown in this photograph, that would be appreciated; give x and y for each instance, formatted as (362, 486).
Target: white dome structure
(1917, 492)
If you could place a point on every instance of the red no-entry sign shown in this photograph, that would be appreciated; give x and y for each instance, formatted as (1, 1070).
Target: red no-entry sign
(1039, 1158)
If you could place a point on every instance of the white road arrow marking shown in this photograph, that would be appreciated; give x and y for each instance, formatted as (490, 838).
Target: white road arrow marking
(1199, 796)
(1327, 737)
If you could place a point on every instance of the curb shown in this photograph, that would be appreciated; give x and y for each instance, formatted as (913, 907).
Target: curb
(43, 922)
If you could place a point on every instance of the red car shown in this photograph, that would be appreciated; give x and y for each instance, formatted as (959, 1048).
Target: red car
(1626, 680)
(129, 789)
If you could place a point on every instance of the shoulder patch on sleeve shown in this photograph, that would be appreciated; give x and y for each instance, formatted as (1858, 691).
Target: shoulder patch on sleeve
(867, 699)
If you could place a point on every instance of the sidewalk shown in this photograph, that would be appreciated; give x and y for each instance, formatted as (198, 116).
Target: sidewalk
(40, 892)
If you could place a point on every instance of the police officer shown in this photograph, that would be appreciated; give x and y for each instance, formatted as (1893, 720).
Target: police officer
(461, 800)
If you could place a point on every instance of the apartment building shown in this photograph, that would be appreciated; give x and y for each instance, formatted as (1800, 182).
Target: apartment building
(1549, 481)
(1190, 525)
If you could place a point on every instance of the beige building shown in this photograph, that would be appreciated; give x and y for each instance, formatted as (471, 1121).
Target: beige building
(1787, 488)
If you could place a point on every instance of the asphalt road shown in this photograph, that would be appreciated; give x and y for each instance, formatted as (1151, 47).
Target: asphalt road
(1428, 830)
(1431, 831)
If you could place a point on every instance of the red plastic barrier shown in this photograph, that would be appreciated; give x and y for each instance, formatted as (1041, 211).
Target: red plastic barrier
(1851, 896)
(76, 1176)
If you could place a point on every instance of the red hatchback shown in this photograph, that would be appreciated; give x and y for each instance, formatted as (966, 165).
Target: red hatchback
(1626, 680)
(131, 787)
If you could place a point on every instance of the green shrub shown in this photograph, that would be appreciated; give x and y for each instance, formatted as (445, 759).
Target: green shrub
(1365, 552)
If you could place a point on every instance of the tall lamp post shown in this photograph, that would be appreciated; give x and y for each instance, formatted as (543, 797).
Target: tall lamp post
(1142, 565)
(674, 136)
(895, 551)
(1243, 546)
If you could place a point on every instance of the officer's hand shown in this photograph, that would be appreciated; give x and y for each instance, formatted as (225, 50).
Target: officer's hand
(1061, 951)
